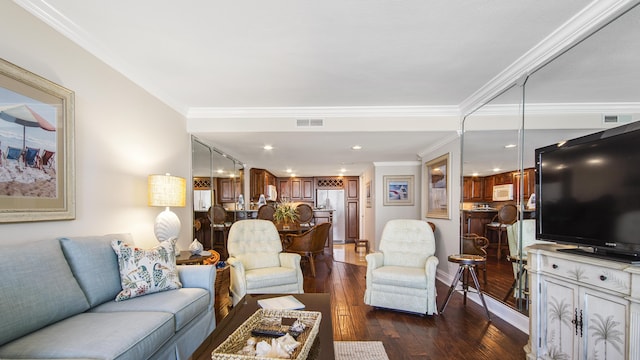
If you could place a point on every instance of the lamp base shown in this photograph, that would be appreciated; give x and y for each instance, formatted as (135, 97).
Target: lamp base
(167, 226)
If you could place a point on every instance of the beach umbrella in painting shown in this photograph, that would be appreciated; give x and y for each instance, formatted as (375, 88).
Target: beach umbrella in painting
(23, 115)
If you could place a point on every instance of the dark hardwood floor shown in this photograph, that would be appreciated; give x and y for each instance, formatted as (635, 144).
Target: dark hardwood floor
(460, 333)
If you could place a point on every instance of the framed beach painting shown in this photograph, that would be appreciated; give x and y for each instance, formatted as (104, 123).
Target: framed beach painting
(37, 176)
(437, 189)
(398, 190)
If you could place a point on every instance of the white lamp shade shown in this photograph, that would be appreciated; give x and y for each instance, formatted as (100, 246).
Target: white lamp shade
(167, 190)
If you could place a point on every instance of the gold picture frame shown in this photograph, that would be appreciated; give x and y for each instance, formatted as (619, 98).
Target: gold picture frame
(437, 187)
(37, 170)
(398, 190)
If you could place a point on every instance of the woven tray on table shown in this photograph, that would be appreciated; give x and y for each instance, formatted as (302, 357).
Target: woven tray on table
(238, 339)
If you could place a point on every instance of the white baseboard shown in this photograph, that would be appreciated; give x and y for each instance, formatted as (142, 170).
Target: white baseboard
(496, 307)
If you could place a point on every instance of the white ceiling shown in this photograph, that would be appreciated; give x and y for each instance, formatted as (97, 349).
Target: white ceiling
(204, 56)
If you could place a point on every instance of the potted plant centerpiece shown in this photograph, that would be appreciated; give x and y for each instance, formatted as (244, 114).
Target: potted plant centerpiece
(285, 213)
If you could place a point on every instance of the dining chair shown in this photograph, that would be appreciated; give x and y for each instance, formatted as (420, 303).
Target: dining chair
(305, 215)
(310, 244)
(265, 212)
(474, 244)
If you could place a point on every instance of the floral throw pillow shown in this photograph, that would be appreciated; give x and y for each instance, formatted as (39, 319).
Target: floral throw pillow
(146, 271)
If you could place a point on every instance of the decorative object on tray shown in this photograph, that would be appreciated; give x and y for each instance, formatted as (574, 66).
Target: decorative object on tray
(239, 344)
(196, 247)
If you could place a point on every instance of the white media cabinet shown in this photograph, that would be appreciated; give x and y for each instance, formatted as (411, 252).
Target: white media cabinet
(582, 307)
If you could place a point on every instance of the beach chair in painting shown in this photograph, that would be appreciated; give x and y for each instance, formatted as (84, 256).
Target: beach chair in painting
(47, 159)
(12, 154)
(32, 157)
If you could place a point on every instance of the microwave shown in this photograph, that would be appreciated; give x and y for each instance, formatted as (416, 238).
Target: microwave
(503, 192)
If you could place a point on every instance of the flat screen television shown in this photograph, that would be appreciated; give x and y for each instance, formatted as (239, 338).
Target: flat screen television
(588, 193)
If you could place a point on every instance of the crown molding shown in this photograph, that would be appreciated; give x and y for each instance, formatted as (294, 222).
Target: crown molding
(396, 163)
(597, 14)
(321, 111)
(439, 144)
(558, 109)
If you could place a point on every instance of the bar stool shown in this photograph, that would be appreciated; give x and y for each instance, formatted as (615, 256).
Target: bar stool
(468, 265)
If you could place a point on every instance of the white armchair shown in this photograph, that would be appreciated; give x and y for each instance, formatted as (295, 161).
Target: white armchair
(258, 265)
(528, 239)
(402, 275)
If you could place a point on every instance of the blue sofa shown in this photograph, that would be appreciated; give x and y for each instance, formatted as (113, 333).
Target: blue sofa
(57, 302)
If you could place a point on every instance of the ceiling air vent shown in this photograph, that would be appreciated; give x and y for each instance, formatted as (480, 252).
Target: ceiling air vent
(309, 122)
(616, 119)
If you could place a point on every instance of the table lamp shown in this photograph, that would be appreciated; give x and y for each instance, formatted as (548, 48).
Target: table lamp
(166, 190)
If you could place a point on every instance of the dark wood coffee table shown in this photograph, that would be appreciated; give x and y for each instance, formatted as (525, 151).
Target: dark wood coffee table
(323, 345)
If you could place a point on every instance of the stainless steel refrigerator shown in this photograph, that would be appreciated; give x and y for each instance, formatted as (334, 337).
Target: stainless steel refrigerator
(334, 199)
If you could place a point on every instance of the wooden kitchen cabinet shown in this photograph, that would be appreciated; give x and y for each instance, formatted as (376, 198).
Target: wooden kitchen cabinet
(229, 189)
(529, 183)
(487, 186)
(473, 189)
(296, 189)
(503, 179)
(260, 179)
(352, 195)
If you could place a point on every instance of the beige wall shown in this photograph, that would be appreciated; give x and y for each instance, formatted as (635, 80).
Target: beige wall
(122, 135)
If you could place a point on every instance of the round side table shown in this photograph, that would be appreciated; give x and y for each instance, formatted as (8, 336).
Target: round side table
(467, 267)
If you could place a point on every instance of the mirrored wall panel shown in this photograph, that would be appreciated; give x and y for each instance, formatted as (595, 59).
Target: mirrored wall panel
(218, 201)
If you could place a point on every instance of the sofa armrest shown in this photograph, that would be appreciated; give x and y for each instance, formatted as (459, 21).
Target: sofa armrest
(292, 261)
(374, 261)
(237, 276)
(430, 269)
(199, 276)
(289, 260)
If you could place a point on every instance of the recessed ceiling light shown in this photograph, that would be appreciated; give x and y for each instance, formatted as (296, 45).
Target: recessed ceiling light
(289, 171)
(356, 147)
(342, 170)
(510, 146)
(220, 171)
(474, 174)
(268, 147)
(293, 175)
(496, 169)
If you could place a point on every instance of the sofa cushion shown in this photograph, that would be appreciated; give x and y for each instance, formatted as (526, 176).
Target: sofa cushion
(126, 335)
(95, 265)
(146, 271)
(37, 288)
(185, 304)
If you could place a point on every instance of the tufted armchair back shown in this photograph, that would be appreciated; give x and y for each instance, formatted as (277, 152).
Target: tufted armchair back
(256, 243)
(407, 242)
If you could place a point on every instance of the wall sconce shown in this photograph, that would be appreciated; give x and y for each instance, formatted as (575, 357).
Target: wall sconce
(166, 190)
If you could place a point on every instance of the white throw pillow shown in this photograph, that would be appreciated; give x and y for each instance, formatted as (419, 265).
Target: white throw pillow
(146, 271)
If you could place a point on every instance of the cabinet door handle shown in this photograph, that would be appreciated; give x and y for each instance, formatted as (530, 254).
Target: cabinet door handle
(554, 266)
(603, 278)
(577, 321)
